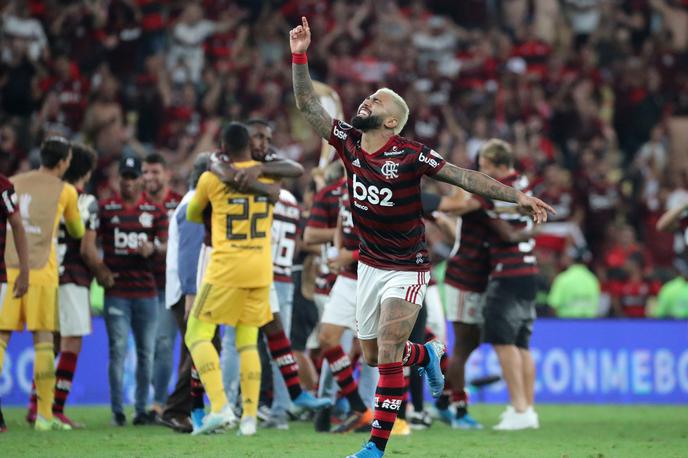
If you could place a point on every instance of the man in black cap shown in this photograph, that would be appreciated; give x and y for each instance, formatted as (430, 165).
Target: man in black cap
(131, 230)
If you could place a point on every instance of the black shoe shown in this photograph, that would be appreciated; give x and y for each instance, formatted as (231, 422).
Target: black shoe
(164, 420)
(3, 426)
(118, 419)
(322, 421)
(154, 416)
(182, 425)
(178, 423)
(143, 419)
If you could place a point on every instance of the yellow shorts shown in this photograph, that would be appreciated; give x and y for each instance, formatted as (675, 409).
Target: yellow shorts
(37, 309)
(232, 306)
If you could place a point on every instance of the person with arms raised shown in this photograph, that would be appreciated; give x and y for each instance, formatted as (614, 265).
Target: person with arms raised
(384, 174)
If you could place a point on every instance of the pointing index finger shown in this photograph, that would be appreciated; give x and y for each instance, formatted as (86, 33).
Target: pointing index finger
(304, 22)
(549, 208)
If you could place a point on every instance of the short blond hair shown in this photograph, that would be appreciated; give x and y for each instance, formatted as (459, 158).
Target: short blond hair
(498, 152)
(401, 105)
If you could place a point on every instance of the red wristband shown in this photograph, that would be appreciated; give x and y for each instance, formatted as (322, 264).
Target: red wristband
(354, 255)
(299, 58)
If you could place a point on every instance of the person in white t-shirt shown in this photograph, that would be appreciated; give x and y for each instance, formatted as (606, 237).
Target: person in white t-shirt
(188, 35)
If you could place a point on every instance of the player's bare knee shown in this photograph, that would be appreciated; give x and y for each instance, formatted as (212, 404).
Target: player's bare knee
(326, 340)
(370, 355)
(5, 336)
(371, 360)
(42, 337)
(273, 327)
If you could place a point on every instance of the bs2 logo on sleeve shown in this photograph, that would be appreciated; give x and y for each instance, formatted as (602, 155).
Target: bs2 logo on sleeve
(340, 134)
(431, 160)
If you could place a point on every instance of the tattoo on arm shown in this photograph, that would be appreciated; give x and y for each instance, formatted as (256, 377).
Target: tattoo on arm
(308, 102)
(476, 183)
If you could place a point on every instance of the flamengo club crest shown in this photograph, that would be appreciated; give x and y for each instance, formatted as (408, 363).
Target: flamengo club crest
(390, 170)
(146, 219)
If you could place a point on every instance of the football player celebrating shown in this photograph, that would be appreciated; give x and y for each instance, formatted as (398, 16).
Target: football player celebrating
(384, 174)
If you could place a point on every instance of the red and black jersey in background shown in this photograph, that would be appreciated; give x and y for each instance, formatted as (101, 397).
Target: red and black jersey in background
(324, 214)
(350, 239)
(468, 269)
(72, 268)
(8, 207)
(121, 229)
(286, 229)
(384, 188)
(633, 295)
(508, 259)
(169, 204)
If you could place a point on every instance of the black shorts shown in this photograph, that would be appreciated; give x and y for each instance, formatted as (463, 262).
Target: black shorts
(509, 311)
(304, 316)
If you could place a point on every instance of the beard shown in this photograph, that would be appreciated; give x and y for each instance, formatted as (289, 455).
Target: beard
(366, 124)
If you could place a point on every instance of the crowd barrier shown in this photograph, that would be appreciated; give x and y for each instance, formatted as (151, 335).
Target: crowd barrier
(577, 361)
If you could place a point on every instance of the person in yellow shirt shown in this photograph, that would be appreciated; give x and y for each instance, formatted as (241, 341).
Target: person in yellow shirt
(44, 199)
(236, 286)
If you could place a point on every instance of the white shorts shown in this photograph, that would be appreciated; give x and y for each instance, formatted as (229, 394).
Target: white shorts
(203, 261)
(377, 285)
(340, 309)
(274, 299)
(436, 321)
(313, 341)
(464, 306)
(75, 310)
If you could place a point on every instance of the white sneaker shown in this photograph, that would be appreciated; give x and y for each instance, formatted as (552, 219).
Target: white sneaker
(247, 426)
(214, 421)
(508, 411)
(535, 417)
(513, 421)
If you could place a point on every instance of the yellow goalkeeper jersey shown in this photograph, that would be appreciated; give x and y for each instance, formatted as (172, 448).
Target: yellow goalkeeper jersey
(240, 223)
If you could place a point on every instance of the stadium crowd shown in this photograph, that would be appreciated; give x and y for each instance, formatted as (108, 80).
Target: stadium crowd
(585, 89)
(589, 95)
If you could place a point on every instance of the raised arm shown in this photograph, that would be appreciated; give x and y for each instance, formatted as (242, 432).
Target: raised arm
(281, 168)
(238, 179)
(668, 222)
(306, 99)
(481, 184)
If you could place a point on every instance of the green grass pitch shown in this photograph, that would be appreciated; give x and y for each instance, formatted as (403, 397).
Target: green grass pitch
(566, 431)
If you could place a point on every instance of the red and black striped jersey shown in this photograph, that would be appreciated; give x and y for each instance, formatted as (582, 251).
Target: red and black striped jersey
(324, 214)
(121, 229)
(71, 266)
(468, 269)
(385, 197)
(326, 206)
(286, 228)
(169, 204)
(350, 239)
(8, 207)
(511, 259)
